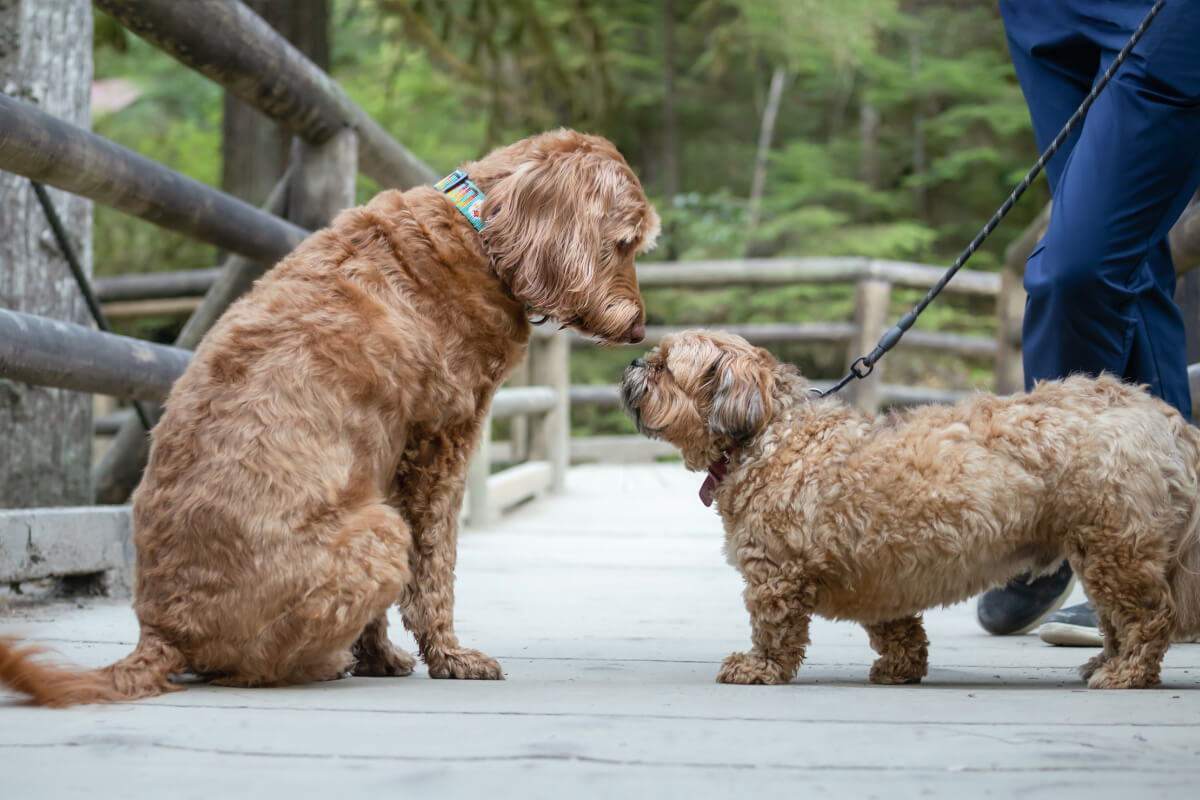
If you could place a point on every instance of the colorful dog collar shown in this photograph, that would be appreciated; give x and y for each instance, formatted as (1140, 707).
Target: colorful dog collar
(466, 196)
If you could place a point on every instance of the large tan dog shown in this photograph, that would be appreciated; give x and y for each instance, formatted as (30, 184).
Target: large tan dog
(876, 518)
(310, 466)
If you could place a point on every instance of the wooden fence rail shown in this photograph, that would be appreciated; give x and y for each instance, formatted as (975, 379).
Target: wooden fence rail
(50, 151)
(230, 44)
(49, 352)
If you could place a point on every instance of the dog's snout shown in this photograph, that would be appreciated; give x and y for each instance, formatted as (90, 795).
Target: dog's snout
(637, 363)
(637, 332)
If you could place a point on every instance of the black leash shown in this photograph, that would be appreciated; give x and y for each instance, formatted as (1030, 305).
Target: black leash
(81, 278)
(863, 365)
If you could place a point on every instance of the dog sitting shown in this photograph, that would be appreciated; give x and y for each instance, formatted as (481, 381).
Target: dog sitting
(874, 519)
(310, 466)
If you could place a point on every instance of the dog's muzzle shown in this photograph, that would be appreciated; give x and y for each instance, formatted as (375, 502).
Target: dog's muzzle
(633, 392)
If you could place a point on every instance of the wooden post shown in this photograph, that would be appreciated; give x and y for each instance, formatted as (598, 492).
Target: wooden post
(518, 425)
(324, 179)
(479, 507)
(1010, 313)
(871, 300)
(551, 366)
(45, 433)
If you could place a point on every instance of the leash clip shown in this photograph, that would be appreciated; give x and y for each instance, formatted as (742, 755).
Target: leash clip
(861, 373)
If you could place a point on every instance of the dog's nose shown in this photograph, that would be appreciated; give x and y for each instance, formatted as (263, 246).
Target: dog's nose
(637, 332)
(637, 363)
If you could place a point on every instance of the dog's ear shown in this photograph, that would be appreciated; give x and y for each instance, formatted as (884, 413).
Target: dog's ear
(542, 224)
(741, 395)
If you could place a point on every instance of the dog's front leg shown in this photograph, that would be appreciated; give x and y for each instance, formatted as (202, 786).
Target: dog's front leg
(903, 650)
(431, 501)
(780, 602)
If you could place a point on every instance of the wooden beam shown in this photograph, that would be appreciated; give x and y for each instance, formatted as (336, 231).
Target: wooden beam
(227, 42)
(50, 151)
(48, 352)
(140, 309)
(155, 285)
(784, 271)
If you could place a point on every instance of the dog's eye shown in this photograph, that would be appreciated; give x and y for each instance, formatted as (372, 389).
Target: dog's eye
(624, 247)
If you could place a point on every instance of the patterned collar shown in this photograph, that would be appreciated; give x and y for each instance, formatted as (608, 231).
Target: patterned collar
(466, 196)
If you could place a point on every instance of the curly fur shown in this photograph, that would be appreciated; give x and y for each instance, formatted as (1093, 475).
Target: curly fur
(874, 519)
(309, 468)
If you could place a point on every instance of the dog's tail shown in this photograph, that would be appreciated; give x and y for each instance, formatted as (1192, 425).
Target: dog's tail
(1184, 572)
(142, 673)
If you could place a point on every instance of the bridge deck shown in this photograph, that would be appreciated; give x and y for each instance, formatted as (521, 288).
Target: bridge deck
(611, 608)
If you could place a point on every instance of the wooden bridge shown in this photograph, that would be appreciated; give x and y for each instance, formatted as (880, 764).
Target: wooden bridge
(590, 571)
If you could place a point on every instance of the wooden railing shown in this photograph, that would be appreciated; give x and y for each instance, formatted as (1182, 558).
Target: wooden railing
(542, 441)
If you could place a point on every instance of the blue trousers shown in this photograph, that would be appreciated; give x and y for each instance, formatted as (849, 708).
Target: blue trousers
(1101, 282)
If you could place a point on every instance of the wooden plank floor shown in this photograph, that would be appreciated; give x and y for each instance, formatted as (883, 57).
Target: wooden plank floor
(610, 608)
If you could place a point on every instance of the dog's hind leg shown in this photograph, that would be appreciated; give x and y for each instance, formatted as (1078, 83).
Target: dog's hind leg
(358, 571)
(780, 602)
(1129, 587)
(375, 655)
(903, 651)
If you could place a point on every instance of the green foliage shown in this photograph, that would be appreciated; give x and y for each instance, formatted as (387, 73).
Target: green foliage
(901, 128)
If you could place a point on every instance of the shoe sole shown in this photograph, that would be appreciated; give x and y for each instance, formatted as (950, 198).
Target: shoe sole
(1055, 606)
(1062, 633)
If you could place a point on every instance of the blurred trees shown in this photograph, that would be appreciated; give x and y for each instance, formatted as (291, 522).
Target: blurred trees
(890, 128)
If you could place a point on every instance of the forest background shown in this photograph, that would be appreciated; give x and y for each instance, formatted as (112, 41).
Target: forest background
(882, 128)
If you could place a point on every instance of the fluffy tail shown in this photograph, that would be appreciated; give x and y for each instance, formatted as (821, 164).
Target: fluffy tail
(1184, 575)
(1185, 589)
(142, 673)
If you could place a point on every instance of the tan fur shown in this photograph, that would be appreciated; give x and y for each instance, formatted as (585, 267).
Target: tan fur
(876, 518)
(310, 466)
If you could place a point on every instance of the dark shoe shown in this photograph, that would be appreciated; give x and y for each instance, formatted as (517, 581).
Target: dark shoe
(1074, 626)
(1020, 605)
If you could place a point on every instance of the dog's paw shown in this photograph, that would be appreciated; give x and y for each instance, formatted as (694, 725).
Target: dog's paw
(464, 664)
(891, 673)
(1092, 666)
(746, 668)
(390, 663)
(1110, 676)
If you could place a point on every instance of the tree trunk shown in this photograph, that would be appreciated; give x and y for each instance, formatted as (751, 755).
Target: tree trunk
(868, 131)
(255, 149)
(920, 206)
(670, 135)
(766, 132)
(45, 434)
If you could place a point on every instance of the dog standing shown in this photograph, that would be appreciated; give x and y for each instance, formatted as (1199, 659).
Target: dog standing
(874, 519)
(310, 466)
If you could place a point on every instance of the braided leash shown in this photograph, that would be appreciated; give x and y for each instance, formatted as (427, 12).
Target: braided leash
(863, 365)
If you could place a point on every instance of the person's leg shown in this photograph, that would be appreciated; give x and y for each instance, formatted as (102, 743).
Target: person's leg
(1101, 283)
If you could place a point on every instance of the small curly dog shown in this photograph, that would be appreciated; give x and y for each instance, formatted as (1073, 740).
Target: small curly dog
(310, 466)
(874, 519)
